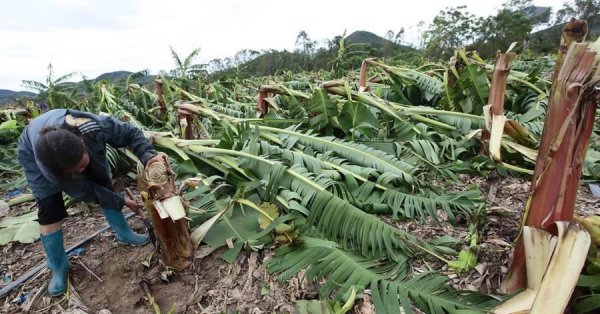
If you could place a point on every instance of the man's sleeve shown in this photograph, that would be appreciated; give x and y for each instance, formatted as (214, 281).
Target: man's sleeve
(89, 191)
(121, 134)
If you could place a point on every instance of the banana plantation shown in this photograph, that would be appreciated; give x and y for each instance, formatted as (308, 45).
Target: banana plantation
(376, 189)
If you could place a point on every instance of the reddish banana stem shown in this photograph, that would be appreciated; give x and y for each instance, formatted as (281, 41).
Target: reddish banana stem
(567, 129)
(262, 106)
(161, 98)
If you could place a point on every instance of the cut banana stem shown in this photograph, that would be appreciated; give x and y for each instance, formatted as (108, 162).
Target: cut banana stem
(564, 269)
(539, 246)
(553, 267)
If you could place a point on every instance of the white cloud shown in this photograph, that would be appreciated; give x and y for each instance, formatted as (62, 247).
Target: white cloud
(94, 36)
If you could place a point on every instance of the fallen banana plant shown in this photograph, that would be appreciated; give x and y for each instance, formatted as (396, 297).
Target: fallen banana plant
(17, 200)
(327, 161)
(24, 229)
(325, 307)
(166, 210)
(201, 230)
(553, 267)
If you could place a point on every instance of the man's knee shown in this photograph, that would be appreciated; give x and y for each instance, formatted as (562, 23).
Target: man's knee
(51, 210)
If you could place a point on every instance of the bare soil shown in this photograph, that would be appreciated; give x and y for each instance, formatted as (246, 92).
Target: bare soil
(106, 277)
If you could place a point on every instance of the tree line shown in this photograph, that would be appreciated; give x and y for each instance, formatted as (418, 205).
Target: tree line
(450, 29)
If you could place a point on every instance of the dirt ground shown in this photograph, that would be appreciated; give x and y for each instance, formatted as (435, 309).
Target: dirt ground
(105, 278)
(107, 275)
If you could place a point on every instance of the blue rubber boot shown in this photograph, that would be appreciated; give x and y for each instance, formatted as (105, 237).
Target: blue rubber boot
(117, 222)
(57, 262)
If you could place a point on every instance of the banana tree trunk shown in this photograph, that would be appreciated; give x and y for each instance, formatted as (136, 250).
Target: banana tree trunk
(173, 239)
(567, 129)
(159, 92)
(263, 106)
(167, 214)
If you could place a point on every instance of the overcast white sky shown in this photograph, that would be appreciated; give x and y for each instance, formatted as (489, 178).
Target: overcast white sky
(97, 36)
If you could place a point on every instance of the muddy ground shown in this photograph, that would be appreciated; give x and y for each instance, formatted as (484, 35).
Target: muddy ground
(105, 278)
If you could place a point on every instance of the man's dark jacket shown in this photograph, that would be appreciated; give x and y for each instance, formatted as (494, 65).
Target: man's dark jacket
(94, 185)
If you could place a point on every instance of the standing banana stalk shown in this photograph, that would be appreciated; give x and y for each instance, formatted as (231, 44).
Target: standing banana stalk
(167, 213)
(567, 129)
(159, 92)
(263, 92)
(185, 123)
(362, 83)
(494, 111)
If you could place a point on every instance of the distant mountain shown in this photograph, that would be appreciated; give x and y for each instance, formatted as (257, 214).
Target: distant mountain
(117, 76)
(273, 61)
(376, 42)
(7, 96)
(113, 76)
(5, 93)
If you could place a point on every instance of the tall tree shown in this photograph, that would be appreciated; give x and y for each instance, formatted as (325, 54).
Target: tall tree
(500, 31)
(396, 38)
(389, 35)
(450, 29)
(304, 43)
(389, 47)
(579, 9)
(399, 38)
(512, 23)
(186, 71)
(536, 15)
(215, 65)
(244, 56)
(56, 92)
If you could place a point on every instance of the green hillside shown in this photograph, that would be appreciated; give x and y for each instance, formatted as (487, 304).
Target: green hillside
(113, 76)
(358, 45)
(7, 96)
(376, 42)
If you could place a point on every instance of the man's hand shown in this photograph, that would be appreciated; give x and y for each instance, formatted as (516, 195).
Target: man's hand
(134, 205)
(158, 157)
